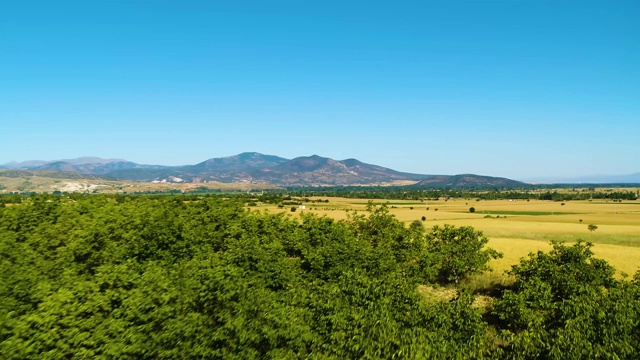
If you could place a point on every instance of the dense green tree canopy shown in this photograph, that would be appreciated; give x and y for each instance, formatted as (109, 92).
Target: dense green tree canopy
(141, 277)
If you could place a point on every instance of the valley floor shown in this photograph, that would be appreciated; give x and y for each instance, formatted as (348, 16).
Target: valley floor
(517, 228)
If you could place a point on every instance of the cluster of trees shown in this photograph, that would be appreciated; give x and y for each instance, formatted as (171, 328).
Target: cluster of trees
(301, 195)
(164, 277)
(533, 192)
(587, 195)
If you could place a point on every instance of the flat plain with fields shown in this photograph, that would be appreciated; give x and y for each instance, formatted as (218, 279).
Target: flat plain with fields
(516, 227)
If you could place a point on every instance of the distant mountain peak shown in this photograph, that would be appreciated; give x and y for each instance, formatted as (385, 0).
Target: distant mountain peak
(252, 154)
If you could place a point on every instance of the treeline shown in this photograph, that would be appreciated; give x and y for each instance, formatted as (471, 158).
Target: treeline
(413, 193)
(532, 192)
(170, 277)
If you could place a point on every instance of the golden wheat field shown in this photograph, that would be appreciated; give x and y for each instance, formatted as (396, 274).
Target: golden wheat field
(517, 228)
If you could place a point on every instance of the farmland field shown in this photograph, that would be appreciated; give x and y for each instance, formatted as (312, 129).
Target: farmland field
(517, 228)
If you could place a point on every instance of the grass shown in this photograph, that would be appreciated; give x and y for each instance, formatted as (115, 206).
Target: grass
(389, 203)
(531, 213)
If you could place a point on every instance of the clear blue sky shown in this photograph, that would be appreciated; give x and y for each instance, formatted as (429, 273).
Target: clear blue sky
(520, 89)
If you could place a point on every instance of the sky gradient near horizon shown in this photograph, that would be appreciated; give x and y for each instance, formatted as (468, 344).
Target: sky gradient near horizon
(520, 89)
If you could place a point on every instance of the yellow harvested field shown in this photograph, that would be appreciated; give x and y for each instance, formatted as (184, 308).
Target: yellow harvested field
(625, 258)
(520, 227)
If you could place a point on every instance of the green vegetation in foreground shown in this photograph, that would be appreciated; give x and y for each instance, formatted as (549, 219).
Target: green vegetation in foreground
(147, 277)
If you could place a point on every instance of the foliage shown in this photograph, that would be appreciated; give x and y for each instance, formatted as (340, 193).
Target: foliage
(459, 252)
(567, 304)
(417, 224)
(138, 277)
(190, 276)
(521, 192)
(592, 227)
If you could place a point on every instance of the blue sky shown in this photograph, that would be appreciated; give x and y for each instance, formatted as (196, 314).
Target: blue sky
(521, 89)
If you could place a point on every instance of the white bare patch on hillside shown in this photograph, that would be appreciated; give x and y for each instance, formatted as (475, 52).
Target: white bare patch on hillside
(74, 187)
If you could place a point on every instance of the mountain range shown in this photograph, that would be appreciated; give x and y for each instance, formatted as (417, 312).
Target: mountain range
(252, 167)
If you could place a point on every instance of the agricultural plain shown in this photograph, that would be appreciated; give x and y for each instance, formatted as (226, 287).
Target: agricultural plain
(516, 227)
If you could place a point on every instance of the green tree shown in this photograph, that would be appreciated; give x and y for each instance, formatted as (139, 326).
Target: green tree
(567, 304)
(459, 252)
(416, 224)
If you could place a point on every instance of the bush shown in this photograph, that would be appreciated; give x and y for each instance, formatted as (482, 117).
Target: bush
(459, 252)
(416, 224)
(472, 209)
(567, 302)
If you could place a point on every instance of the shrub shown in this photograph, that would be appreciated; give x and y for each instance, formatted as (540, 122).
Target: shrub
(459, 252)
(567, 302)
(416, 224)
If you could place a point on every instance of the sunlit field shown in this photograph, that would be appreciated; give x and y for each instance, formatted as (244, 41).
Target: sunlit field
(516, 227)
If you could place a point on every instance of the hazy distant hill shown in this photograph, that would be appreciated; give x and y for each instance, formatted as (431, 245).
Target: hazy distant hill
(470, 180)
(252, 167)
(33, 164)
(259, 168)
(44, 173)
(237, 168)
(241, 162)
(317, 170)
(105, 168)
